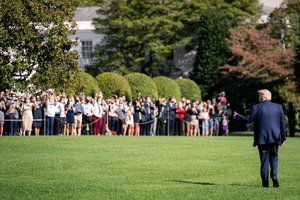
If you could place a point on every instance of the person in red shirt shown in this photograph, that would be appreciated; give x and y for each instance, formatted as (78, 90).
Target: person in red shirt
(179, 122)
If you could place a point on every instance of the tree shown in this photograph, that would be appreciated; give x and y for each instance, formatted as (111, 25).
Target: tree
(258, 62)
(34, 45)
(86, 3)
(285, 22)
(141, 35)
(212, 49)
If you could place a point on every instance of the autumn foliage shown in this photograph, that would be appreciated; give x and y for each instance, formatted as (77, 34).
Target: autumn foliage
(258, 56)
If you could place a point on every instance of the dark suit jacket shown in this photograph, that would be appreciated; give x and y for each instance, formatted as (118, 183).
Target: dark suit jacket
(269, 123)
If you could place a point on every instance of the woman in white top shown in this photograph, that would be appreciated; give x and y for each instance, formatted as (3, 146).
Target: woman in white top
(50, 103)
(129, 124)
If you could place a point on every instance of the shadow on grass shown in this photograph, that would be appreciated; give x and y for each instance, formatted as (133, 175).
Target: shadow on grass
(208, 183)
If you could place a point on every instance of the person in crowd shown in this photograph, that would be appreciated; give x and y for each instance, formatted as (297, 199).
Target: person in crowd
(70, 118)
(37, 116)
(121, 116)
(103, 113)
(112, 116)
(188, 117)
(27, 116)
(153, 118)
(180, 116)
(171, 108)
(50, 108)
(60, 116)
(129, 123)
(2, 115)
(136, 117)
(78, 116)
(204, 116)
(222, 99)
(224, 124)
(211, 112)
(96, 117)
(194, 120)
(87, 117)
(291, 115)
(269, 133)
(12, 111)
(145, 119)
(162, 116)
(215, 118)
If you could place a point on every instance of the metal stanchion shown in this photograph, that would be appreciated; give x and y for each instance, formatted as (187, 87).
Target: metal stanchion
(168, 121)
(44, 124)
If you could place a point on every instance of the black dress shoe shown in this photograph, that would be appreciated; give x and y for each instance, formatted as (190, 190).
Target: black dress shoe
(275, 183)
(265, 184)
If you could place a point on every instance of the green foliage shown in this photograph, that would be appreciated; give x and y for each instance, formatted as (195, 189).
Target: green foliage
(140, 35)
(167, 88)
(86, 3)
(114, 84)
(142, 85)
(86, 83)
(285, 23)
(212, 50)
(34, 45)
(189, 89)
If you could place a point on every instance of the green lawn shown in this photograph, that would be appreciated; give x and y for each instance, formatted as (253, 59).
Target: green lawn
(116, 167)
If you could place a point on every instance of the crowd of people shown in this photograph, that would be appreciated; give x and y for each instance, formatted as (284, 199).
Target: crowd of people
(51, 113)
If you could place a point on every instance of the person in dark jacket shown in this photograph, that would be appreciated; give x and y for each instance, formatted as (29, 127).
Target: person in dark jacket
(269, 132)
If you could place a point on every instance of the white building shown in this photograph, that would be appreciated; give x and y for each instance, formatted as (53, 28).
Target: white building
(87, 38)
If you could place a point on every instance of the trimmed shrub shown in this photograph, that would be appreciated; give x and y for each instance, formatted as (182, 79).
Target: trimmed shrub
(86, 83)
(189, 89)
(167, 88)
(113, 84)
(141, 85)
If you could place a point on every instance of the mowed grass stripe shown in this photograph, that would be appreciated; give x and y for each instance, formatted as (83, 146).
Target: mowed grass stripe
(141, 168)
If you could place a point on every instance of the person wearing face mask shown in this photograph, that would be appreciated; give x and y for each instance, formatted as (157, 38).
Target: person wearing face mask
(70, 109)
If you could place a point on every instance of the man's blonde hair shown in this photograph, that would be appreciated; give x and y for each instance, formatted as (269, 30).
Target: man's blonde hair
(265, 94)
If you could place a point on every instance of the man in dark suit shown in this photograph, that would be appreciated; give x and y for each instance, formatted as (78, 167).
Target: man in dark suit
(269, 132)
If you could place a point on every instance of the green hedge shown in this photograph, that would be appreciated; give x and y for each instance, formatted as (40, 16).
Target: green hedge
(167, 88)
(189, 89)
(86, 83)
(141, 85)
(113, 84)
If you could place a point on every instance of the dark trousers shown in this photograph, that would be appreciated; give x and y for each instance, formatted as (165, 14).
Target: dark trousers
(49, 125)
(13, 125)
(170, 128)
(112, 123)
(268, 154)
(179, 126)
(59, 124)
(86, 121)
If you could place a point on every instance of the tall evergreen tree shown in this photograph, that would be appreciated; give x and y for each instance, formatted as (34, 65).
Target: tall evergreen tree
(139, 35)
(212, 49)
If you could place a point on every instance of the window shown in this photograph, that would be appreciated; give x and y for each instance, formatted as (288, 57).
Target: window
(86, 49)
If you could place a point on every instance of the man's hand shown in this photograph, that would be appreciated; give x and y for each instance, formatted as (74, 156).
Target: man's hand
(283, 142)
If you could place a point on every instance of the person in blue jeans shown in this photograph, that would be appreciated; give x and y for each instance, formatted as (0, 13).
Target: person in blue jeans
(50, 105)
